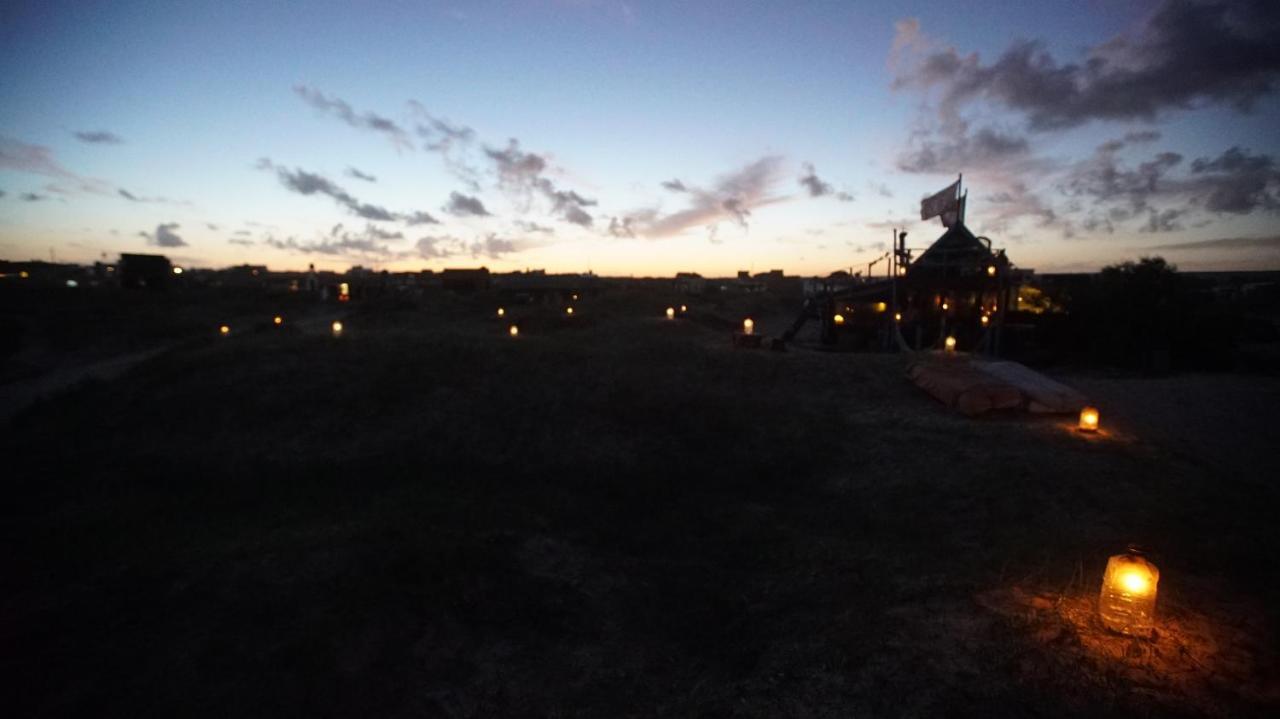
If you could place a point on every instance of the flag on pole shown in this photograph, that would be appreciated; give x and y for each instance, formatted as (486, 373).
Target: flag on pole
(942, 203)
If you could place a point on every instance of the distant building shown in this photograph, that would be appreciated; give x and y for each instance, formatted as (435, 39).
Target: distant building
(690, 283)
(465, 280)
(151, 271)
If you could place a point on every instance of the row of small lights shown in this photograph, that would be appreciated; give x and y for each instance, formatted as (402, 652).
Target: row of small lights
(335, 328)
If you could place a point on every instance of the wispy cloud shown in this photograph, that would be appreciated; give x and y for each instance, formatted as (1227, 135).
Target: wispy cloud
(38, 160)
(732, 197)
(342, 110)
(1271, 242)
(99, 137)
(310, 183)
(353, 172)
(524, 174)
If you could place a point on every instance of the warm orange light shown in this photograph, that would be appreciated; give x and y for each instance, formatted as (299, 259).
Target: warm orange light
(748, 326)
(344, 288)
(1089, 419)
(337, 328)
(684, 309)
(513, 331)
(897, 316)
(224, 330)
(950, 344)
(985, 320)
(945, 306)
(991, 270)
(502, 312)
(881, 307)
(278, 320)
(24, 274)
(671, 313)
(568, 310)
(177, 270)
(838, 319)
(1127, 603)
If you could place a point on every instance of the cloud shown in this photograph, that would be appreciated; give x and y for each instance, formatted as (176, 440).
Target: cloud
(38, 160)
(241, 241)
(491, 246)
(164, 236)
(3, 193)
(211, 226)
(353, 172)
(1271, 242)
(421, 218)
(621, 228)
(342, 110)
(369, 244)
(732, 197)
(675, 186)
(1235, 182)
(32, 197)
(880, 189)
(431, 248)
(450, 141)
(310, 183)
(522, 174)
(465, 206)
(99, 137)
(1186, 55)
(534, 227)
(956, 150)
(811, 182)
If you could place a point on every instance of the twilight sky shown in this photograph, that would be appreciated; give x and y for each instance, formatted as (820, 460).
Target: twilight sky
(636, 138)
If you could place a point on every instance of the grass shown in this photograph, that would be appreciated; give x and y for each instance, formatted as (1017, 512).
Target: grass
(610, 515)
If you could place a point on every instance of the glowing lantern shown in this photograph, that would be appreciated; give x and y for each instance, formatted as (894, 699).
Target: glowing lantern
(897, 316)
(684, 309)
(278, 320)
(337, 329)
(72, 283)
(671, 313)
(575, 298)
(991, 270)
(950, 344)
(502, 312)
(224, 330)
(748, 326)
(344, 292)
(1089, 419)
(177, 270)
(1127, 603)
(568, 311)
(945, 307)
(986, 320)
(513, 331)
(838, 319)
(881, 307)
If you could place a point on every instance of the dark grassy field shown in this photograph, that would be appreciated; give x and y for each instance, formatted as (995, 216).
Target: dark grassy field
(617, 516)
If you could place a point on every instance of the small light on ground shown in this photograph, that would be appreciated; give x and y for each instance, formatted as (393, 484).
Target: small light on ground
(985, 320)
(945, 306)
(897, 316)
(671, 313)
(950, 344)
(568, 311)
(224, 330)
(502, 312)
(838, 319)
(991, 270)
(684, 309)
(881, 307)
(1089, 419)
(513, 331)
(748, 326)
(1127, 603)
(177, 270)
(278, 320)
(72, 283)
(337, 329)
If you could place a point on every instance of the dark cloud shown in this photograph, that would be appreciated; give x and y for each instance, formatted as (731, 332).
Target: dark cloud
(621, 228)
(353, 172)
(960, 151)
(733, 197)
(465, 206)
(32, 197)
(1226, 243)
(432, 248)
(369, 244)
(342, 110)
(1186, 55)
(810, 181)
(164, 236)
(127, 195)
(491, 246)
(421, 218)
(310, 183)
(1235, 182)
(675, 186)
(522, 174)
(99, 137)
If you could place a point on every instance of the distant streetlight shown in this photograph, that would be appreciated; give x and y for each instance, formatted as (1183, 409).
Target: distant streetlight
(838, 319)
(502, 312)
(513, 331)
(177, 270)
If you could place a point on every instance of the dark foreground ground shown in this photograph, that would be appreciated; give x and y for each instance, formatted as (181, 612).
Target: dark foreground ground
(619, 516)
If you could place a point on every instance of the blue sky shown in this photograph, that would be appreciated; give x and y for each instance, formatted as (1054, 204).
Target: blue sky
(799, 135)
